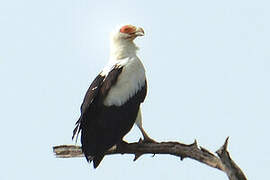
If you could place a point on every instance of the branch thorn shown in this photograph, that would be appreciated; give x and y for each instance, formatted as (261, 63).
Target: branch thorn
(224, 147)
(137, 155)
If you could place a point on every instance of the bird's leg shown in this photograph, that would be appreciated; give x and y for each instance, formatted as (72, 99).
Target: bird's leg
(146, 138)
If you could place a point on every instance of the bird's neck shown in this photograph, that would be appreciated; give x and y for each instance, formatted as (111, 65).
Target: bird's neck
(122, 49)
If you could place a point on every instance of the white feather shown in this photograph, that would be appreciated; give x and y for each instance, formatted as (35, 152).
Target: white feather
(132, 78)
(130, 81)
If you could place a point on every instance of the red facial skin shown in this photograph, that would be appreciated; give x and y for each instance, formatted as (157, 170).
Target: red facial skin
(128, 29)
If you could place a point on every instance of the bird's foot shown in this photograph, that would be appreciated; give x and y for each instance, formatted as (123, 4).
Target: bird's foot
(122, 143)
(120, 146)
(145, 140)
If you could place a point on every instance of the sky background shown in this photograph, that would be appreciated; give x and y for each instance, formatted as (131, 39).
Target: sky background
(208, 70)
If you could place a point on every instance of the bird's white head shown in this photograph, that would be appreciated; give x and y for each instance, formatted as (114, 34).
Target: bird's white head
(122, 44)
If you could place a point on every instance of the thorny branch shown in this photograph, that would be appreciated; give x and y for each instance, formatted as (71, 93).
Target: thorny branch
(222, 162)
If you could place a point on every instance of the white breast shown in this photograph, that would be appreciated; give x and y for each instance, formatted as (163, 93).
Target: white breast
(129, 82)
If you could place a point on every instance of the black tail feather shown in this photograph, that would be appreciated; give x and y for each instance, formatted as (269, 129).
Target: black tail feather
(77, 130)
(97, 159)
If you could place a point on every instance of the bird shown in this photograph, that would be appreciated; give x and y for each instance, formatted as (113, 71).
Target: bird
(112, 103)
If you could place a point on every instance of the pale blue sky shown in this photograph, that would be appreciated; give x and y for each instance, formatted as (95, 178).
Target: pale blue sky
(208, 69)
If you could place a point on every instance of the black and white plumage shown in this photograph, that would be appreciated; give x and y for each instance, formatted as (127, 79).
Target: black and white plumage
(112, 103)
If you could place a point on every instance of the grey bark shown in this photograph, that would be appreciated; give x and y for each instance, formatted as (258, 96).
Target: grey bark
(222, 162)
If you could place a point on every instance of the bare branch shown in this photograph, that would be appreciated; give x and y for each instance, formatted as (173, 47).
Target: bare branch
(223, 162)
(231, 169)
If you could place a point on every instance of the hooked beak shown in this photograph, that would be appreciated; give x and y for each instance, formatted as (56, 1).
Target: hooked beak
(139, 31)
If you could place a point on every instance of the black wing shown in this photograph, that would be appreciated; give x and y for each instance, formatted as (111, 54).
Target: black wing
(88, 99)
(96, 93)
